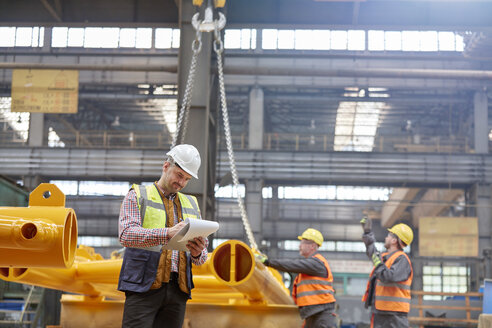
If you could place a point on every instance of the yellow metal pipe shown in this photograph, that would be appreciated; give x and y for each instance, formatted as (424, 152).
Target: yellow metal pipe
(17, 233)
(93, 276)
(231, 275)
(209, 282)
(44, 234)
(87, 276)
(218, 298)
(234, 264)
(61, 279)
(105, 271)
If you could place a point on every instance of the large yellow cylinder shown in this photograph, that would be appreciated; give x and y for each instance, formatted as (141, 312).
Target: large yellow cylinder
(44, 234)
(234, 264)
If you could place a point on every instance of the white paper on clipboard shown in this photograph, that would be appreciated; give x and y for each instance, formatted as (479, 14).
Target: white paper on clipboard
(193, 228)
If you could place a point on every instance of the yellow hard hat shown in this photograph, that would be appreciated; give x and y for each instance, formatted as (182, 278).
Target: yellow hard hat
(403, 232)
(312, 234)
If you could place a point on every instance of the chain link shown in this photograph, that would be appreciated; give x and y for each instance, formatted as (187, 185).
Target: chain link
(184, 114)
(218, 47)
(182, 124)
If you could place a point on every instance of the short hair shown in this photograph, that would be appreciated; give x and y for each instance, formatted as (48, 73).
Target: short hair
(400, 243)
(170, 160)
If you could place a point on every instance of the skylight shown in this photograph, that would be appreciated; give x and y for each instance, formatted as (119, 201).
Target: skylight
(18, 122)
(357, 122)
(169, 113)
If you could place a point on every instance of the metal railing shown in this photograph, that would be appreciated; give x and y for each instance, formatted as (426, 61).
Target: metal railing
(272, 141)
(326, 143)
(468, 321)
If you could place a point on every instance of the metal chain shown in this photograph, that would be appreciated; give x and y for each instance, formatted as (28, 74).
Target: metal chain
(218, 48)
(182, 124)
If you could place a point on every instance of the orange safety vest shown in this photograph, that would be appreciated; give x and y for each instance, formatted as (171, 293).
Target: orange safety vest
(311, 290)
(392, 296)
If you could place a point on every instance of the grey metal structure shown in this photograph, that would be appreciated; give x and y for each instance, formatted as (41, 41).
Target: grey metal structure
(433, 131)
(275, 167)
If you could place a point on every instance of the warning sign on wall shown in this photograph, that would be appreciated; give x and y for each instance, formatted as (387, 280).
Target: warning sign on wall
(45, 91)
(448, 236)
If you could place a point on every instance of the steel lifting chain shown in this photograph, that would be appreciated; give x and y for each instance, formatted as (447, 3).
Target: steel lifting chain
(182, 125)
(219, 48)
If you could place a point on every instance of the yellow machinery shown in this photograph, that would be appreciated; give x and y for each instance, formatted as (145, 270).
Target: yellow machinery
(38, 247)
(232, 289)
(44, 234)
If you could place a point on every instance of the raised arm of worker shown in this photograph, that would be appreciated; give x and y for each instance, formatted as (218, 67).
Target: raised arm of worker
(310, 266)
(369, 240)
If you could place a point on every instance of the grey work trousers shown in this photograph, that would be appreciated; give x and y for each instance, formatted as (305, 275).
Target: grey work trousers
(389, 321)
(323, 319)
(157, 308)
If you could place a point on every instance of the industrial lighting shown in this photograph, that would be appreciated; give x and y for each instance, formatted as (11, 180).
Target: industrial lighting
(116, 121)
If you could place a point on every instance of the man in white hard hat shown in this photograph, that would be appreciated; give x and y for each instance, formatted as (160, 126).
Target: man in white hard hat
(313, 288)
(157, 282)
(389, 285)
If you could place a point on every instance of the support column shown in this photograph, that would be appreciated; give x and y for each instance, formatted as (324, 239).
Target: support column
(417, 283)
(480, 196)
(480, 114)
(201, 130)
(36, 130)
(254, 197)
(256, 112)
(254, 208)
(47, 39)
(32, 181)
(274, 215)
(418, 266)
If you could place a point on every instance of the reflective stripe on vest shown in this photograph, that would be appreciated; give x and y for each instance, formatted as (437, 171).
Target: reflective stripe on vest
(152, 210)
(311, 290)
(394, 296)
(189, 206)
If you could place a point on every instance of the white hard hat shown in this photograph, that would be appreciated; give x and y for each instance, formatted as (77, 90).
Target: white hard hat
(187, 157)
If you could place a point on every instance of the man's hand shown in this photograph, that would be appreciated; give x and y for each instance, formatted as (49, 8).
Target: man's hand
(366, 224)
(262, 258)
(376, 259)
(172, 231)
(196, 246)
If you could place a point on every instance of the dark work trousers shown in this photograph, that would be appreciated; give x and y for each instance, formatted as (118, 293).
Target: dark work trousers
(323, 319)
(389, 321)
(157, 308)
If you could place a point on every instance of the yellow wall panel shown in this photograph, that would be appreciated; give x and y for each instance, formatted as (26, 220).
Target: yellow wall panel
(45, 91)
(448, 236)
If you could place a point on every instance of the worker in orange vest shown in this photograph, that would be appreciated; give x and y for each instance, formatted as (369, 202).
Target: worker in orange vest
(313, 288)
(388, 288)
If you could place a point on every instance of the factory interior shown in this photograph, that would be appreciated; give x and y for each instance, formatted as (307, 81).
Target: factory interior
(306, 114)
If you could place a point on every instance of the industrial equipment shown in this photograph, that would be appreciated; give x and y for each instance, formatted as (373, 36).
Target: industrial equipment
(44, 234)
(38, 247)
(231, 289)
